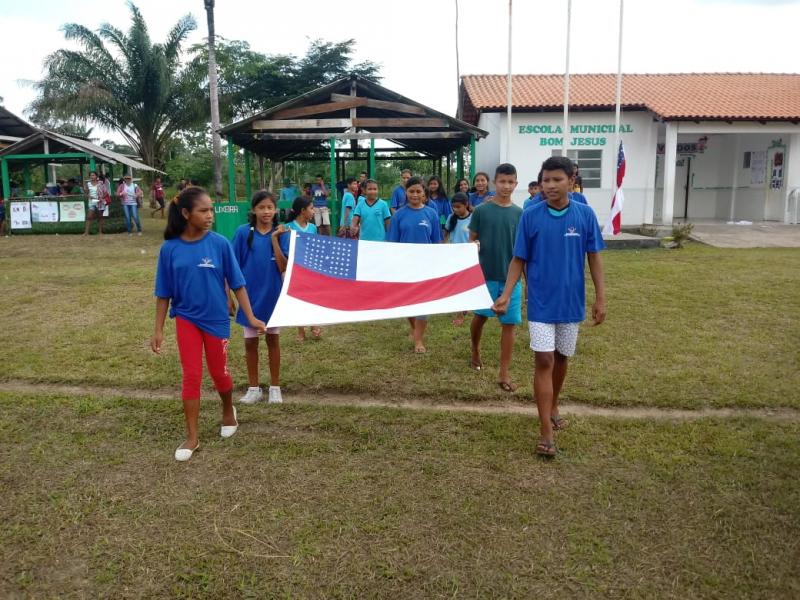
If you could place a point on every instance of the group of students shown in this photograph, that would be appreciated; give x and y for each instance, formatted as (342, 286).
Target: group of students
(549, 241)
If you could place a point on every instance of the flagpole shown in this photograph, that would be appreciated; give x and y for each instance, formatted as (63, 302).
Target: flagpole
(566, 83)
(509, 84)
(458, 71)
(617, 102)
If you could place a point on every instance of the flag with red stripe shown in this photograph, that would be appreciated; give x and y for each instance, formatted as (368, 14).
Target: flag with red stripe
(614, 223)
(336, 280)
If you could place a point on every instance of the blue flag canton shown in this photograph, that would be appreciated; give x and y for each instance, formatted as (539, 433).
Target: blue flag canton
(330, 256)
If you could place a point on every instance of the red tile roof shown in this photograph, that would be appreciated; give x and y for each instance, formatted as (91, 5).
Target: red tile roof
(728, 96)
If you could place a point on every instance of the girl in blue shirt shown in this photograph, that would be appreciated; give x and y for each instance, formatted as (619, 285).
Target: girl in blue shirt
(480, 186)
(261, 247)
(415, 223)
(301, 219)
(195, 268)
(438, 200)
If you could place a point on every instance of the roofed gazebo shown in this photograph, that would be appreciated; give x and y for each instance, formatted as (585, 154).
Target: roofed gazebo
(308, 127)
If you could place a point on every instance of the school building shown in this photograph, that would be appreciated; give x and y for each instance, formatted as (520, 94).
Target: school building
(699, 146)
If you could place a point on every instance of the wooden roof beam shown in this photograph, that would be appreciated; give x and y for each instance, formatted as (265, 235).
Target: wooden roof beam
(367, 135)
(401, 122)
(302, 124)
(372, 103)
(316, 109)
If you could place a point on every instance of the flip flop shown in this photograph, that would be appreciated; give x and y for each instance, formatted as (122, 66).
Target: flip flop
(508, 386)
(559, 422)
(475, 366)
(546, 449)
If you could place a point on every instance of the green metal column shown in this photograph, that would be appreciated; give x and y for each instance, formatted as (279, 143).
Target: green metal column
(334, 204)
(372, 173)
(460, 163)
(231, 174)
(471, 158)
(248, 184)
(26, 178)
(6, 182)
(449, 175)
(92, 164)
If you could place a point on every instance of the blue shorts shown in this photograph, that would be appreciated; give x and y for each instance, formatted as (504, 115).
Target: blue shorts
(513, 315)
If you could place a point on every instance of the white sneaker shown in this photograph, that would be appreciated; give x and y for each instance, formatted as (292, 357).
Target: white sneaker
(275, 395)
(253, 395)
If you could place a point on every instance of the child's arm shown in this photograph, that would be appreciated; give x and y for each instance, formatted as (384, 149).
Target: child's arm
(244, 304)
(277, 251)
(515, 268)
(596, 270)
(162, 304)
(354, 224)
(386, 222)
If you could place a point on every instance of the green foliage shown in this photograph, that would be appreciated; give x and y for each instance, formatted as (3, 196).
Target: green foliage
(250, 82)
(126, 83)
(681, 232)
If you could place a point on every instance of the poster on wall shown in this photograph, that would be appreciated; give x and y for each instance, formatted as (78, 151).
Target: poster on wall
(44, 212)
(20, 215)
(758, 168)
(72, 212)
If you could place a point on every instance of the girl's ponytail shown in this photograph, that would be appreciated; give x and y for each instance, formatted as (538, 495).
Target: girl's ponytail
(299, 205)
(176, 223)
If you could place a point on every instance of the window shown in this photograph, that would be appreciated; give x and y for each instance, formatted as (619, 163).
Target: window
(746, 161)
(590, 163)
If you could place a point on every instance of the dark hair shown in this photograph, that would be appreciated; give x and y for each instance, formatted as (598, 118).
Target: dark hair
(416, 181)
(176, 223)
(458, 184)
(299, 205)
(539, 177)
(485, 174)
(368, 181)
(504, 169)
(440, 193)
(257, 199)
(460, 197)
(534, 182)
(562, 163)
(319, 176)
(95, 173)
(406, 171)
(364, 173)
(349, 180)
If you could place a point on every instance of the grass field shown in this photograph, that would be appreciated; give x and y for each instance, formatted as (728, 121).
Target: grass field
(694, 328)
(309, 500)
(356, 503)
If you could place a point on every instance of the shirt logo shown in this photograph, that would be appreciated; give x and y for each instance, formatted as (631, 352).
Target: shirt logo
(207, 263)
(571, 232)
(424, 224)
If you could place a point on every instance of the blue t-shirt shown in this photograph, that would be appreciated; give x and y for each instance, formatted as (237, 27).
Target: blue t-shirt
(320, 195)
(398, 197)
(458, 229)
(260, 271)
(309, 228)
(193, 275)
(415, 226)
(373, 219)
(442, 207)
(289, 193)
(348, 200)
(576, 196)
(554, 249)
(476, 200)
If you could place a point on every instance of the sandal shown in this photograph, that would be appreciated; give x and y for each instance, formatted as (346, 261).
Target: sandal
(547, 449)
(508, 386)
(475, 366)
(559, 422)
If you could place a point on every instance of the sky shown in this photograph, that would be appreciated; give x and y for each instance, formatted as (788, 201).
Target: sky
(414, 40)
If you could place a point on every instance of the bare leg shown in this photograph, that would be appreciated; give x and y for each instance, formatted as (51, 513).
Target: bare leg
(88, 225)
(301, 334)
(411, 321)
(506, 350)
(274, 348)
(228, 417)
(475, 332)
(251, 357)
(543, 392)
(559, 373)
(100, 220)
(191, 412)
(419, 335)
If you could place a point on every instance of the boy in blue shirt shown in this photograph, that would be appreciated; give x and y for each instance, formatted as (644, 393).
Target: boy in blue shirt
(534, 190)
(398, 200)
(322, 214)
(494, 225)
(348, 206)
(554, 240)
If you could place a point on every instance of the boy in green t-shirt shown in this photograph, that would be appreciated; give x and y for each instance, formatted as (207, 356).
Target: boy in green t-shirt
(494, 225)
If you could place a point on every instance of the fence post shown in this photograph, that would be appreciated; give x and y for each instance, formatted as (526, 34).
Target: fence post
(471, 158)
(6, 182)
(231, 174)
(333, 206)
(248, 185)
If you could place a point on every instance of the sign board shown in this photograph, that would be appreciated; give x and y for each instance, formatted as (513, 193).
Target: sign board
(20, 215)
(73, 212)
(44, 212)
(228, 216)
(594, 134)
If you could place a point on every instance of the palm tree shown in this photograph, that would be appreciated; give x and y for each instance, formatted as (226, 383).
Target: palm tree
(125, 83)
(212, 87)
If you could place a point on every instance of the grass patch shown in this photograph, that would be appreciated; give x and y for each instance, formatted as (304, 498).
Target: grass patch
(341, 502)
(701, 327)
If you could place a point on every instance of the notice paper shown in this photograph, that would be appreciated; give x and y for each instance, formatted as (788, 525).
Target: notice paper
(44, 212)
(73, 212)
(20, 215)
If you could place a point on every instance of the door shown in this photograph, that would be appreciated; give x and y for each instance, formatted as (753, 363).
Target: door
(683, 173)
(775, 209)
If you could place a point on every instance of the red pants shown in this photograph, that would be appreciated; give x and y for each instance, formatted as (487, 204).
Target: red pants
(191, 341)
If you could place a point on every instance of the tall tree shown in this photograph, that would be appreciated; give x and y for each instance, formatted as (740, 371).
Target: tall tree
(125, 83)
(216, 145)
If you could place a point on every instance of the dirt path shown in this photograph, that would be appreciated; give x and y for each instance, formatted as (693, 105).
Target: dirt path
(510, 407)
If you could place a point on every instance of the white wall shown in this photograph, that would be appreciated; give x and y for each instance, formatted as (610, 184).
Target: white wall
(528, 153)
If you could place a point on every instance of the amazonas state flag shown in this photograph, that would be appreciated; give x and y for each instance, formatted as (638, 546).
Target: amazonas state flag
(335, 280)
